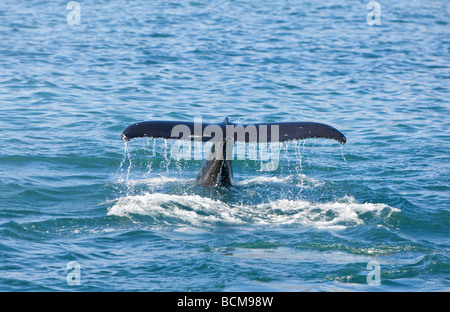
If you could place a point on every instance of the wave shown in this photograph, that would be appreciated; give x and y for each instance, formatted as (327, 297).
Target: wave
(197, 211)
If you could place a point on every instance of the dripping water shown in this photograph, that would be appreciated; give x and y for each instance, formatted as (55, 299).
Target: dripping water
(342, 153)
(125, 159)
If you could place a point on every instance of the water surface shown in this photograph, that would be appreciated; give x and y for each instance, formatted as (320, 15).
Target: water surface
(131, 215)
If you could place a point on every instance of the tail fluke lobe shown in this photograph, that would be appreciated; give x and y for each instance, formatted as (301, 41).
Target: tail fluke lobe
(287, 131)
(155, 129)
(306, 130)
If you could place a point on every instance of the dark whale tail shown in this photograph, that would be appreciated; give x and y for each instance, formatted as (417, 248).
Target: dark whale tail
(259, 132)
(216, 169)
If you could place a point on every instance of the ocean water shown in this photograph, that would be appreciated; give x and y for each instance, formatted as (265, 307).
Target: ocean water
(81, 210)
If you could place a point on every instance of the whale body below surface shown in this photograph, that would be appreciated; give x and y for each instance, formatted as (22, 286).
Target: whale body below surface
(216, 168)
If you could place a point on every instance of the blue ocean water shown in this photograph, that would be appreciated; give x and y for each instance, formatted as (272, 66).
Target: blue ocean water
(82, 210)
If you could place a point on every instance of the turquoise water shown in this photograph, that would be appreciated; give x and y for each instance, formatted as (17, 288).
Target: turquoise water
(372, 215)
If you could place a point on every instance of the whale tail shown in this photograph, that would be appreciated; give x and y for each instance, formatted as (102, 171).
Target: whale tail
(216, 169)
(258, 132)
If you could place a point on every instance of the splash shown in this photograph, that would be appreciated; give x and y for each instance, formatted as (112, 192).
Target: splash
(195, 211)
(157, 194)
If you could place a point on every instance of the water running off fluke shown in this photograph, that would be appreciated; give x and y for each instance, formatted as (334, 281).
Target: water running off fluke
(216, 168)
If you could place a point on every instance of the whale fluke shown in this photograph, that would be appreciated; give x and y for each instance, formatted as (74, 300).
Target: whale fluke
(258, 132)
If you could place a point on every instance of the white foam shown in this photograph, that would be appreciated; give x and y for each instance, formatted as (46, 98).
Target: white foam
(197, 211)
(154, 181)
(192, 209)
(333, 215)
(299, 179)
(263, 179)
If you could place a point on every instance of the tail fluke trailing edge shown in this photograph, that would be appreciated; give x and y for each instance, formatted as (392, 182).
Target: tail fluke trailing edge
(259, 132)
